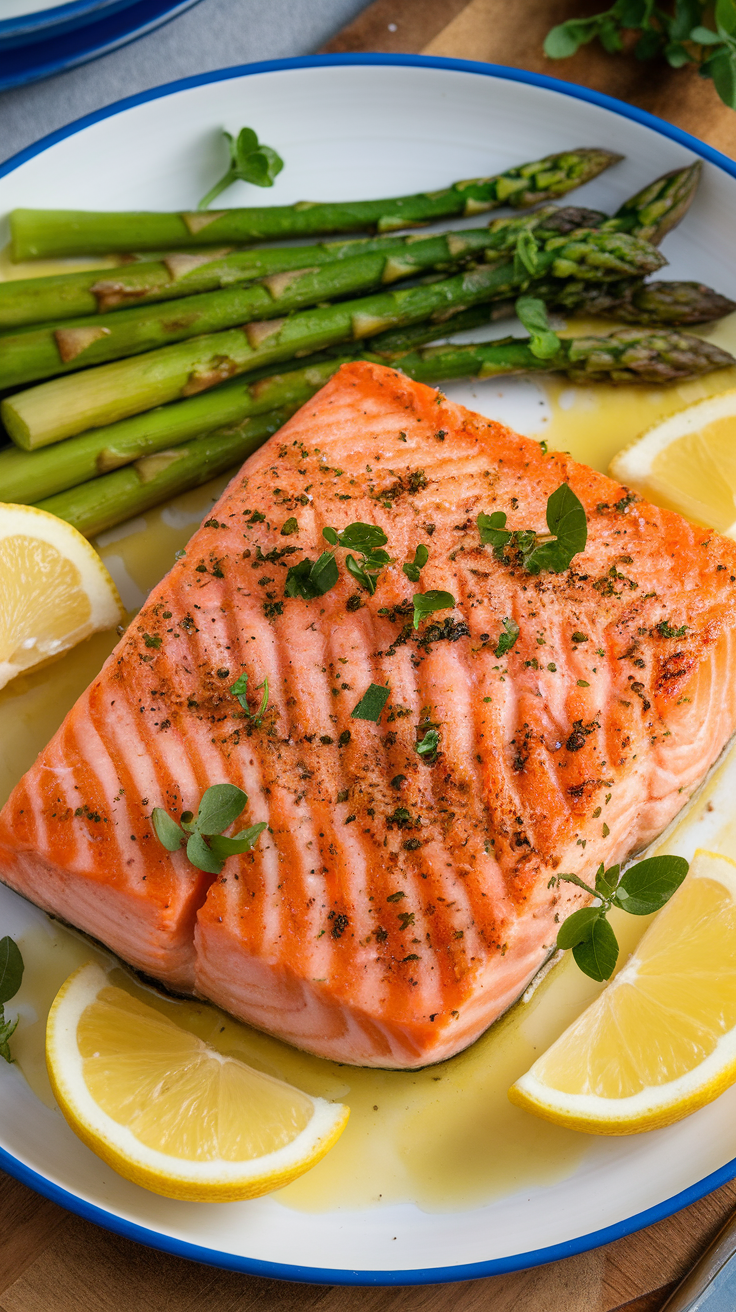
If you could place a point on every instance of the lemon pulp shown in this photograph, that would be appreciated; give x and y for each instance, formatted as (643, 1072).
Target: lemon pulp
(55, 592)
(177, 1094)
(168, 1111)
(687, 463)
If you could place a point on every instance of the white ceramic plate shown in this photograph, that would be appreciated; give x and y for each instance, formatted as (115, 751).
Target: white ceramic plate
(357, 127)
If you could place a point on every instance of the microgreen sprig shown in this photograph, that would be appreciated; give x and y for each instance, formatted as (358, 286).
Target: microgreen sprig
(207, 846)
(239, 689)
(11, 975)
(641, 890)
(568, 534)
(250, 161)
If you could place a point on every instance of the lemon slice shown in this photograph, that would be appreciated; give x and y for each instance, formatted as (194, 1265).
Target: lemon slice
(687, 463)
(169, 1112)
(660, 1040)
(55, 589)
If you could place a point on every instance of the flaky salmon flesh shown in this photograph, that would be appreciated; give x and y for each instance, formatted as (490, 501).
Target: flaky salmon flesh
(398, 902)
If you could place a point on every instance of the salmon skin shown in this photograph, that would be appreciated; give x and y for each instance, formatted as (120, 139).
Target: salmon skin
(399, 902)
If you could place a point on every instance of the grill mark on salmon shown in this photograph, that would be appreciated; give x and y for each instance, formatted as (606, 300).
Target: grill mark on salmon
(395, 906)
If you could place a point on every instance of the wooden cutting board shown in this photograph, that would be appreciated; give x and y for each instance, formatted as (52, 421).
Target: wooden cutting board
(51, 1261)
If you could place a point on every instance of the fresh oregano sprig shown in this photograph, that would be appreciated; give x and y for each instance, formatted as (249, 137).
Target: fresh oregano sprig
(207, 846)
(678, 33)
(641, 890)
(368, 540)
(250, 161)
(313, 578)
(11, 975)
(568, 534)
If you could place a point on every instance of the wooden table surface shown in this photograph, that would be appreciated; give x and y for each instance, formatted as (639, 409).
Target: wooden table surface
(51, 1261)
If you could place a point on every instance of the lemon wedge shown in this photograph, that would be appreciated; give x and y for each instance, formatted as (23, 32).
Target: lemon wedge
(660, 1040)
(169, 1112)
(687, 463)
(55, 590)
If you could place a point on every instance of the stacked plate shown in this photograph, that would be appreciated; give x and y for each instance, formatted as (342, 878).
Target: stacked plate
(41, 37)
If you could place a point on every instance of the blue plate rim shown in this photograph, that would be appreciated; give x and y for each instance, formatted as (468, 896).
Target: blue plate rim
(329, 1275)
(40, 20)
(50, 50)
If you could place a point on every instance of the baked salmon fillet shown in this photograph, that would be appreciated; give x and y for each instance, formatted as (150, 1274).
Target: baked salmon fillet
(399, 900)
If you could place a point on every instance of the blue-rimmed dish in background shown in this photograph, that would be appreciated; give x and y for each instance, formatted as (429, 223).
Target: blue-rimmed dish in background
(38, 42)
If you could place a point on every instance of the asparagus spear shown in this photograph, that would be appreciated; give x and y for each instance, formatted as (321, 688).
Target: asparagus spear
(650, 214)
(33, 353)
(655, 304)
(69, 295)
(634, 301)
(66, 406)
(629, 355)
(27, 476)
(658, 208)
(626, 356)
(113, 498)
(38, 233)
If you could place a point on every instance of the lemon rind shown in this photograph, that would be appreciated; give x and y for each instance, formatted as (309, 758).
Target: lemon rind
(634, 461)
(217, 1180)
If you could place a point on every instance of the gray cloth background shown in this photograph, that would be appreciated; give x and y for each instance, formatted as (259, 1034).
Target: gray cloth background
(214, 34)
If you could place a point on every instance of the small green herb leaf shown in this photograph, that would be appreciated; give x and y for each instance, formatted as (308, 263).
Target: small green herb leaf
(310, 578)
(220, 807)
(532, 312)
(290, 525)
(428, 745)
(245, 841)
(507, 639)
(201, 855)
(606, 880)
(167, 830)
(646, 886)
(413, 568)
(11, 969)
(597, 955)
(239, 689)
(362, 537)
(250, 161)
(565, 518)
(426, 603)
(492, 530)
(371, 703)
(578, 927)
